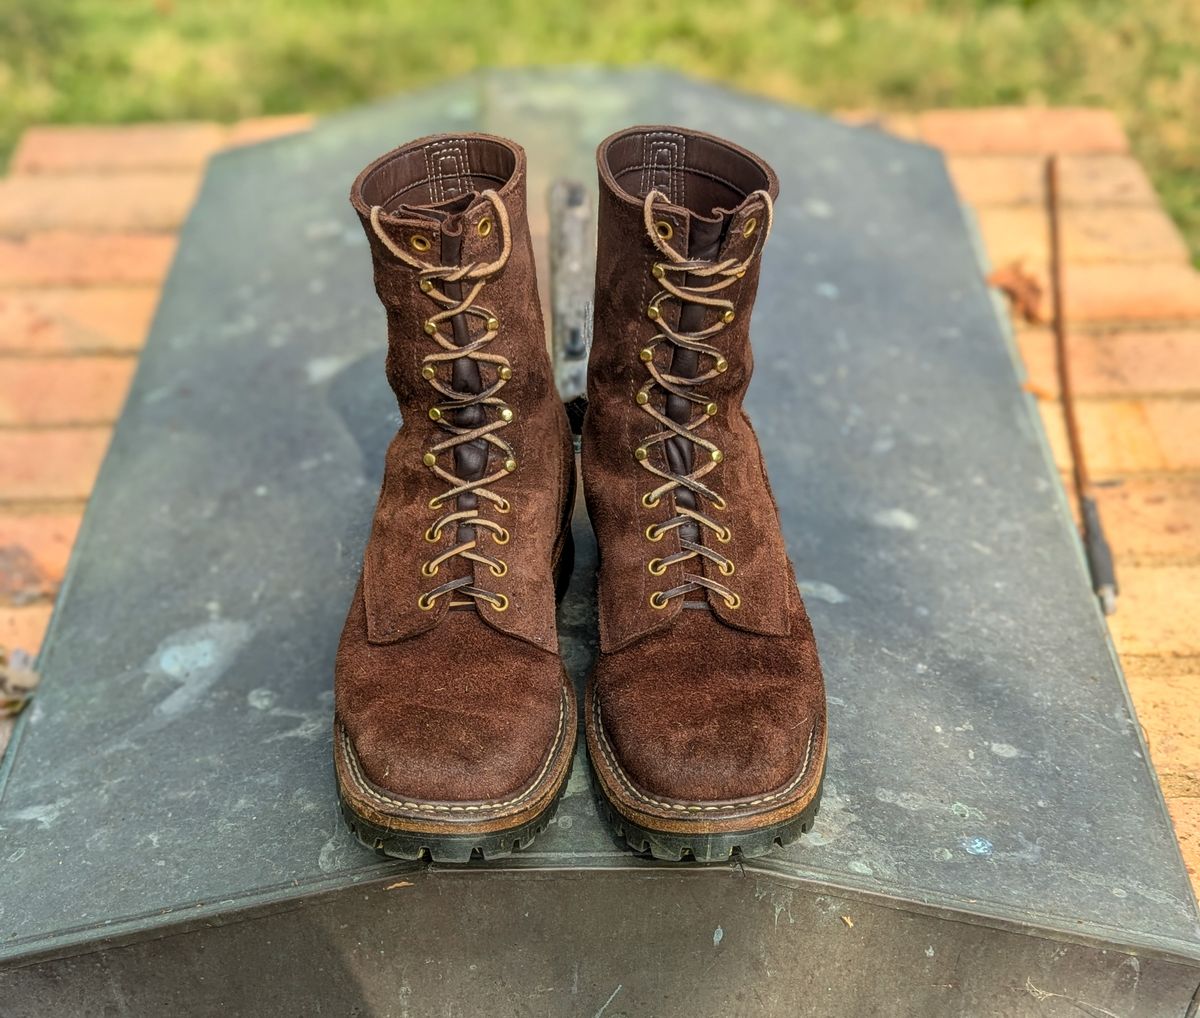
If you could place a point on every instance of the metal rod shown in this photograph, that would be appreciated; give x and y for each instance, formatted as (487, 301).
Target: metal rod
(1095, 544)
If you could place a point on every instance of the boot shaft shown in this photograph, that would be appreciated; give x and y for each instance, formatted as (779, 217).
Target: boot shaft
(676, 487)
(478, 478)
(445, 218)
(669, 196)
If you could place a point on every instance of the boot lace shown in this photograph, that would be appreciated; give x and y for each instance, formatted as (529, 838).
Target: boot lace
(673, 272)
(432, 280)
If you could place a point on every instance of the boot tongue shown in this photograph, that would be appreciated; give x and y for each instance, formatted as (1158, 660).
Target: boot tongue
(704, 243)
(470, 458)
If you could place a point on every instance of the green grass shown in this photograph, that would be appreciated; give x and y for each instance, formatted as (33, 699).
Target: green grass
(128, 60)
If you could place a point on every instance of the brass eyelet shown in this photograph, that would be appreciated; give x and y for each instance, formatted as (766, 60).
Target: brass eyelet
(506, 414)
(430, 327)
(435, 502)
(426, 285)
(498, 539)
(642, 398)
(433, 536)
(429, 459)
(505, 372)
(710, 409)
(728, 316)
(716, 456)
(719, 503)
(493, 323)
(656, 567)
(501, 603)
(640, 453)
(424, 603)
(725, 536)
(484, 227)
(658, 601)
(653, 533)
(733, 601)
(652, 313)
(419, 242)
(435, 414)
(650, 501)
(428, 569)
(646, 354)
(429, 372)
(722, 365)
(510, 465)
(664, 229)
(658, 271)
(748, 229)
(504, 506)
(727, 572)
(501, 571)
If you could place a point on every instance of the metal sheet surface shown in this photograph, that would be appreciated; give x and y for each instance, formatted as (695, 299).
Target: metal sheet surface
(984, 760)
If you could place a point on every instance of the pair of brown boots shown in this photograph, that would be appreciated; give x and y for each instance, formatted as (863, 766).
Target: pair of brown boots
(455, 720)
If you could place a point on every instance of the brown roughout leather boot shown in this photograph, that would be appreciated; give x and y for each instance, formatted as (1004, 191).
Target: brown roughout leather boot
(455, 721)
(705, 712)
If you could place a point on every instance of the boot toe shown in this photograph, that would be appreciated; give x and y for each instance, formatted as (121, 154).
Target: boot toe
(740, 720)
(460, 714)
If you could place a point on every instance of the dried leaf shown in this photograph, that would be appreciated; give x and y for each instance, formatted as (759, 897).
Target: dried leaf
(1022, 289)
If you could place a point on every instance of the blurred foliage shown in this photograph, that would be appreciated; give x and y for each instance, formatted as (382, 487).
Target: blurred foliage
(127, 60)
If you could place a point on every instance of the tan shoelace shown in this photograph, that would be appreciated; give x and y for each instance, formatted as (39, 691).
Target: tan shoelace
(475, 276)
(722, 274)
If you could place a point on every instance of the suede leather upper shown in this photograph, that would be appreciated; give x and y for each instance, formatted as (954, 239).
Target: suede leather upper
(699, 701)
(458, 703)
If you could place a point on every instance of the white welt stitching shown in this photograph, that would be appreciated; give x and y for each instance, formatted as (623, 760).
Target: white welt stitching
(431, 807)
(610, 757)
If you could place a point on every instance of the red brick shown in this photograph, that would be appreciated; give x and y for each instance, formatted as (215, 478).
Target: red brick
(256, 129)
(1085, 181)
(1157, 611)
(1128, 362)
(50, 464)
(1164, 692)
(1098, 234)
(78, 259)
(1014, 130)
(63, 390)
(125, 202)
(1116, 439)
(34, 549)
(1185, 815)
(1153, 520)
(1104, 180)
(1123, 436)
(23, 628)
(97, 320)
(1176, 427)
(1130, 293)
(116, 149)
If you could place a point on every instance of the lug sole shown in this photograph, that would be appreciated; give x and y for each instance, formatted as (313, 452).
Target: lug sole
(451, 848)
(721, 846)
